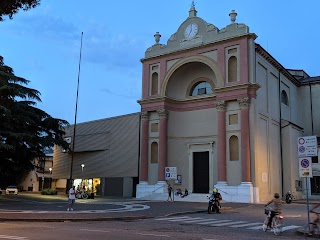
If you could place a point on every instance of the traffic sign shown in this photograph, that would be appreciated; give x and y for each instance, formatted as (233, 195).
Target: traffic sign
(307, 146)
(171, 173)
(305, 167)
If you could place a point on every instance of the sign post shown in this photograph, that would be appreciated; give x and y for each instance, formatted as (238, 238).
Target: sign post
(171, 174)
(307, 148)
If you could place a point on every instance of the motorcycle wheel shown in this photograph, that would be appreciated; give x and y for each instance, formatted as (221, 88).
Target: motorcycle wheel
(209, 209)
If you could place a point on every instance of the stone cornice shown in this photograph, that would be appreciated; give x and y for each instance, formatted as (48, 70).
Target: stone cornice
(241, 86)
(249, 35)
(166, 99)
(263, 53)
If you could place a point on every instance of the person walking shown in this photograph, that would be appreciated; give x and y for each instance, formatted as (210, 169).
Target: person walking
(169, 193)
(72, 198)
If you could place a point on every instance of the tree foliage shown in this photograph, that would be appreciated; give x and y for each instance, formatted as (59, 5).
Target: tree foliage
(26, 132)
(11, 7)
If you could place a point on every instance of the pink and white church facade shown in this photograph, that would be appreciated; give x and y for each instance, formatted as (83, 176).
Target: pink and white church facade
(219, 108)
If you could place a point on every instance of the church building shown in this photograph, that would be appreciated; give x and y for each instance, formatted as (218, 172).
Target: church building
(223, 111)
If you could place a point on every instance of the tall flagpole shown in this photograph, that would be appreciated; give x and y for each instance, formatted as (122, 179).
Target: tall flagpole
(75, 117)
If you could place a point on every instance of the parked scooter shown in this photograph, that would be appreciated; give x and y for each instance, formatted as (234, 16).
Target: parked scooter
(289, 197)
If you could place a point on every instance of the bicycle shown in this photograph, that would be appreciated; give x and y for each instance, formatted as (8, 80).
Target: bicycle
(276, 224)
(314, 226)
(82, 194)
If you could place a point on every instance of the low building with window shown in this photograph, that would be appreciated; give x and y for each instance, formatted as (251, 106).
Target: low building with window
(222, 110)
(103, 157)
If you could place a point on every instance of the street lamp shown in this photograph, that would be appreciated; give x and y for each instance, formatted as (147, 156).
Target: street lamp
(82, 166)
(50, 169)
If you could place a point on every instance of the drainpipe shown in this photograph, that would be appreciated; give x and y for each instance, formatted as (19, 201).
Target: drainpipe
(280, 129)
(311, 108)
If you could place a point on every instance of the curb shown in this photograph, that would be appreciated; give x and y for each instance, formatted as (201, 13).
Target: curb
(75, 219)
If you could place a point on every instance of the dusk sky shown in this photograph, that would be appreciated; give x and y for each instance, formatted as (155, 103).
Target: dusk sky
(43, 45)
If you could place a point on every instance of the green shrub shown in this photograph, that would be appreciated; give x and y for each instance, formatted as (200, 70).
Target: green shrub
(49, 191)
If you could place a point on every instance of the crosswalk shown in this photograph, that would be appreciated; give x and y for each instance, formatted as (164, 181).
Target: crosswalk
(221, 223)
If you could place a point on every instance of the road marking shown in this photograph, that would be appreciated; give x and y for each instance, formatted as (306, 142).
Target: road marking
(92, 230)
(161, 219)
(197, 220)
(220, 223)
(213, 222)
(124, 208)
(193, 220)
(292, 216)
(255, 228)
(228, 223)
(12, 237)
(155, 235)
(289, 227)
(246, 225)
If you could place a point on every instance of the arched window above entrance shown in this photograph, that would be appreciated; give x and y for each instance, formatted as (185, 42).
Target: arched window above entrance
(201, 88)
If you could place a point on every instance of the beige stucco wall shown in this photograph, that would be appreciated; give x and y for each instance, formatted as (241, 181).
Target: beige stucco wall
(190, 132)
(305, 109)
(267, 133)
(290, 135)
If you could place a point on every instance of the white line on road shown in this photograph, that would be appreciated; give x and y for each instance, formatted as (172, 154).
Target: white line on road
(227, 223)
(198, 220)
(13, 237)
(246, 225)
(93, 230)
(193, 220)
(213, 222)
(289, 227)
(155, 235)
(185, 217)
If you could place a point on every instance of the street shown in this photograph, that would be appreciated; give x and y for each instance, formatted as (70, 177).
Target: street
(239, 221)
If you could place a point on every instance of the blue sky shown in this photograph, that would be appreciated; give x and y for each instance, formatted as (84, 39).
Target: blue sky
(43, 45)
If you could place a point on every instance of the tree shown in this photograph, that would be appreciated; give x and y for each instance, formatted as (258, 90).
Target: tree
(11, 7)
(26, 132)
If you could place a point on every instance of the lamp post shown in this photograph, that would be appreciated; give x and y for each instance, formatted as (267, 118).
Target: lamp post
(82, 166)
(50, 169)
(75, 118)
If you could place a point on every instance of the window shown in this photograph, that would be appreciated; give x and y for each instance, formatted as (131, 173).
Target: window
(201, 88)
(232, 69)
(284, 98)
(233, 119)
(154, 152)
(234, 148)
(154, 127)
(154, 84)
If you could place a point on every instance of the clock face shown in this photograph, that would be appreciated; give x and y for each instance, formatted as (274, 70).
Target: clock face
(191, 30)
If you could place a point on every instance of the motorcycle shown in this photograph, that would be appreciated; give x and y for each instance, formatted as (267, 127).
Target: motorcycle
(213, 205)
(289, 197)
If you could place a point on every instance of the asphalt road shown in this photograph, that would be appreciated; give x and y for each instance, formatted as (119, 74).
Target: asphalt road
(30, 216)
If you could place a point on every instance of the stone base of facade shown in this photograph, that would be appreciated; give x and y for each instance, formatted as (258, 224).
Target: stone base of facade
(144, 189)
(244, 193)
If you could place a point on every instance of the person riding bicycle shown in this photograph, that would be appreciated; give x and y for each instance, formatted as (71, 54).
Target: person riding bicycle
(276, 205)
